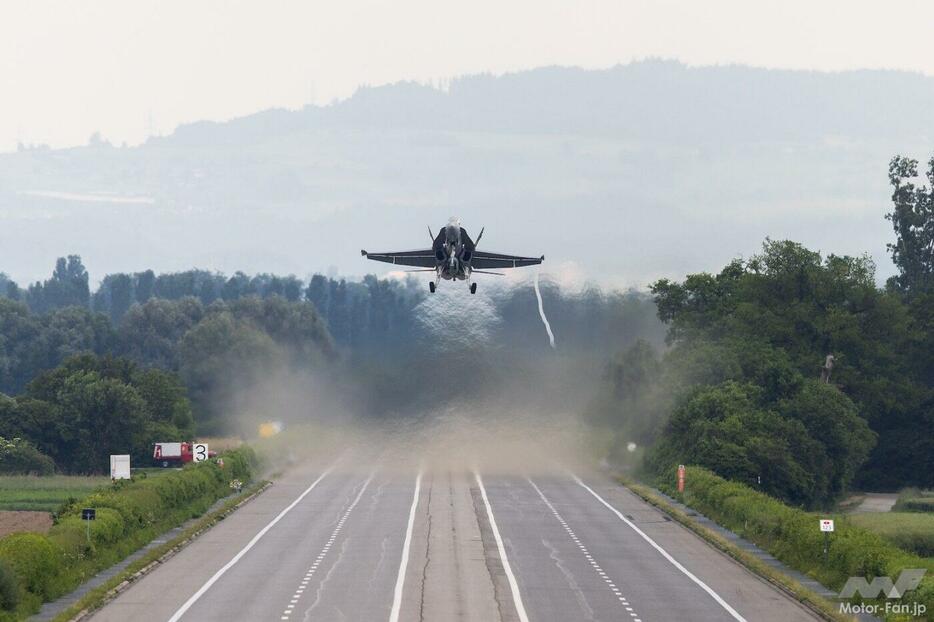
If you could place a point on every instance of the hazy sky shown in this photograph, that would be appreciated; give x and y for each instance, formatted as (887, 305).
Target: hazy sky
(120, 66)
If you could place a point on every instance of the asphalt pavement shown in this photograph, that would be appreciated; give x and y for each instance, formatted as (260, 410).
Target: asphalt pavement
(371, 537)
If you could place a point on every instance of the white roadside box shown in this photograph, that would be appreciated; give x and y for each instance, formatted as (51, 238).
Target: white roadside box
(119, 466)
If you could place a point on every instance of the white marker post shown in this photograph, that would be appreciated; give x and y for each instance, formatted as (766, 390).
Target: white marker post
(826, 526)
(199, 452)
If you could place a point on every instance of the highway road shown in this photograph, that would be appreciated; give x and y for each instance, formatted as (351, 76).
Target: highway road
(368, 536)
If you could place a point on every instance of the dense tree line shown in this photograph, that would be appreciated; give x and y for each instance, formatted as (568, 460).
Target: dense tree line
(743, 387)
(374, 320)
(221, 336)
(89, 407)
(31, 343)
(84, 387)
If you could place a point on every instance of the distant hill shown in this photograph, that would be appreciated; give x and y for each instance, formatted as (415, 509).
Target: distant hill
(620, 175)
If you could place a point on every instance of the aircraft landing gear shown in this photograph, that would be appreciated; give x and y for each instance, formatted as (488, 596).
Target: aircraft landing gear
(431, 286)
(473, 288)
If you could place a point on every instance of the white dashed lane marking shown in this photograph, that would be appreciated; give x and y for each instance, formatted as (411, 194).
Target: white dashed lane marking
(623, 601)
(674, 562)
(262, 532)
(289, 609)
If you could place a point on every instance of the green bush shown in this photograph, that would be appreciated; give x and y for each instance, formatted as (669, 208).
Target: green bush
(34, 559)
(9, 588)
(911, 531)
(45, 566)
(20, 457)
(71, 539)
(792, 535)
(922, 504)
(915, 500)
(803, 449)
(107, 527)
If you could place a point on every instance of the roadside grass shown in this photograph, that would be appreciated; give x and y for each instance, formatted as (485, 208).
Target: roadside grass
(45, 493)
(129, 515)
(911, 531)
(792, 536)
(915, 500)
(98, 597)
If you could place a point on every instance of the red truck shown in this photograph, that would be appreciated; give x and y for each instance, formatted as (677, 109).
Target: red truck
(176, 454)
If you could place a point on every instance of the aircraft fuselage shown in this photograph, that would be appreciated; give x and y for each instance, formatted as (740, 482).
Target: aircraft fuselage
(453, 256)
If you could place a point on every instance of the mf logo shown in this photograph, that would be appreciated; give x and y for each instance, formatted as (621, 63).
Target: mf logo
(907, 580)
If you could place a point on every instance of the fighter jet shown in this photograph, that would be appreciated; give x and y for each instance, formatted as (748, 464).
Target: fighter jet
(453, 256)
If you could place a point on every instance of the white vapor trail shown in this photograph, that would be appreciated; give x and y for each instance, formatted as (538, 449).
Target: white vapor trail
(541, 312)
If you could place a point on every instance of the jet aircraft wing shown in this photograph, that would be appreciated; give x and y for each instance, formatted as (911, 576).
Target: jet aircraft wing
(421, 259)
(483, 260)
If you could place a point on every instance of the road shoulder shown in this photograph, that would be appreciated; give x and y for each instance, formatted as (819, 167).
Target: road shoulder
(796, 587)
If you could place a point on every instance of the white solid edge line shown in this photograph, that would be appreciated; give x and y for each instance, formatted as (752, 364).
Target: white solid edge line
(400, 579)
(513, 584)
(262, 532)
(664, 553)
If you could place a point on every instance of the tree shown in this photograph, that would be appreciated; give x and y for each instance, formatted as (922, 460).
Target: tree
(90, 407)
(806, 456)
(67, 287)
(221, 359)
(145, 282)
(18, 332)
(9, 288)
(80, 418)
(121, 296)
(166, 400)
(18, 457)
(770, 321)
(317, 293)
(150, 333)
(833, 420)
(912, 219)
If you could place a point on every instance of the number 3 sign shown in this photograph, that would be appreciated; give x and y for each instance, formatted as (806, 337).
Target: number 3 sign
(199, 452)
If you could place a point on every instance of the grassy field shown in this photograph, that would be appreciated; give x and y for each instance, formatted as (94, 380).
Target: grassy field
(915, 500)
(29, 492)
(912, 531)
